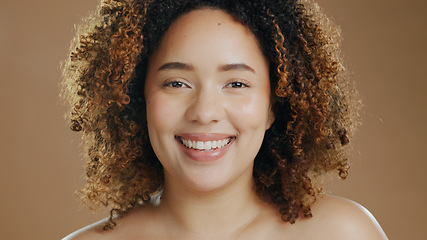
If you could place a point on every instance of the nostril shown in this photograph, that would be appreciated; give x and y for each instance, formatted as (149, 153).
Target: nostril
(204, 109)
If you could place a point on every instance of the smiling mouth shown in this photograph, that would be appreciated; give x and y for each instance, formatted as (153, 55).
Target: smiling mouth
(205, 145)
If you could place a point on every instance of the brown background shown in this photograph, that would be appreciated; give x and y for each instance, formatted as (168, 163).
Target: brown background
(385, 47)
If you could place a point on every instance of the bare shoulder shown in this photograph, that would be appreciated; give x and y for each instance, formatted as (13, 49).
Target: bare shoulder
(93, 231)
(340, 218)
(134, 224)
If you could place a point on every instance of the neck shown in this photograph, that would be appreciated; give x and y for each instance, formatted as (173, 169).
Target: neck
(224, 210)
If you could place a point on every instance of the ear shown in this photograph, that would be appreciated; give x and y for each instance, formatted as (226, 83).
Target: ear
(271, 118)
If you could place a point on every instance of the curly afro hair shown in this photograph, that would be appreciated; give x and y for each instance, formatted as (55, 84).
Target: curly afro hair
(315, 105)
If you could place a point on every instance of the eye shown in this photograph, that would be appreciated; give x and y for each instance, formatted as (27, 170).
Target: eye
(175, 84)
(238, 84)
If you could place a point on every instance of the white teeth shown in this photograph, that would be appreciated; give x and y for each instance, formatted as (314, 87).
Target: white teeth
(208, 145)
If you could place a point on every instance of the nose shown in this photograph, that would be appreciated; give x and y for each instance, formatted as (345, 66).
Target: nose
(205, 107)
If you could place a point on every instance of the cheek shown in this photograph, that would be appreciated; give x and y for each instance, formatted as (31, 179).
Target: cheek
(160, 114)
(162, 117)
(251, 112)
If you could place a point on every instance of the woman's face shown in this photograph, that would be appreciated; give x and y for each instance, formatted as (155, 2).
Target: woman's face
(208, 101)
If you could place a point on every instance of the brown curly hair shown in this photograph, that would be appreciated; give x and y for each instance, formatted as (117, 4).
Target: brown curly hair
(314, 102)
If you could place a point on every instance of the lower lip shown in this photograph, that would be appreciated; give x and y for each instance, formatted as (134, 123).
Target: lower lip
(205, 156)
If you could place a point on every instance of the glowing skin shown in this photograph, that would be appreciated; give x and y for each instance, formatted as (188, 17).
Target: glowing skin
(208, 106)
(208, 101)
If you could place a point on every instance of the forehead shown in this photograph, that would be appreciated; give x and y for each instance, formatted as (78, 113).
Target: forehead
(210, 18)
(208, 32)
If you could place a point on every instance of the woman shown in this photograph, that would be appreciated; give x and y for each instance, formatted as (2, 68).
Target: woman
(212, 119)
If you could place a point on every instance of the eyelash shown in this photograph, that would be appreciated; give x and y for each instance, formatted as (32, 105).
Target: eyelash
(180, 84)
(243, 84)
(173, 84)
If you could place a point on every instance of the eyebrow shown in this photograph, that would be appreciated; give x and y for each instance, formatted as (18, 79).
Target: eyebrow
(176, 65)
(236, 66)
(222, 68)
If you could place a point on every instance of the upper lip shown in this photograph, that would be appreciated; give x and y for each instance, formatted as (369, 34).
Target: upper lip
(204, 136)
